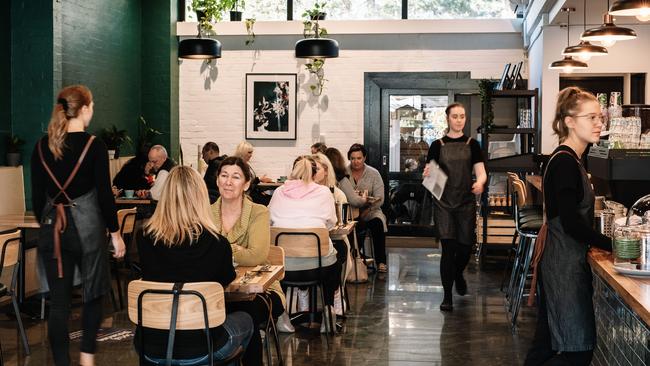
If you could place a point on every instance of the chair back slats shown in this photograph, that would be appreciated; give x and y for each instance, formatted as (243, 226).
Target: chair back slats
(157, 308)
(10, 248)
(299, 243)
(126, 220)
(276, 257)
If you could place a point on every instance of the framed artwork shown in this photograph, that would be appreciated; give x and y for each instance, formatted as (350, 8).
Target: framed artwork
(271, 106)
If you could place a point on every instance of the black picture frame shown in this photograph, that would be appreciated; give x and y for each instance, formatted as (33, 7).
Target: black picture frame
(271, 106)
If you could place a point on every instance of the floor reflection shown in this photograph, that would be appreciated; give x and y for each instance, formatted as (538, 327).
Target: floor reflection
(393, 320)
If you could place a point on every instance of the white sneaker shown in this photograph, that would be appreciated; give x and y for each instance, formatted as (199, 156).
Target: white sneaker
(303, 300)
(284, 324)
(338, 304)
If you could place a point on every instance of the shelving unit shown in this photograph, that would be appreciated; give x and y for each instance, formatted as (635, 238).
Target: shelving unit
(492, 227)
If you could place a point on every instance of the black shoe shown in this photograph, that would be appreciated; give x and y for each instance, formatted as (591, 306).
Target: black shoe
(461, 286)
(447, 305)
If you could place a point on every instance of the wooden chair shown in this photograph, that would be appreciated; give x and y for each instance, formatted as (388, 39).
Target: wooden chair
(178, 306)
(276, 258)
(305, 243)
(126, 222)
(10, 245)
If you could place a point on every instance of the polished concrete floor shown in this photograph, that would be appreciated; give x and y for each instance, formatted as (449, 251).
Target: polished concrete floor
(394, 320)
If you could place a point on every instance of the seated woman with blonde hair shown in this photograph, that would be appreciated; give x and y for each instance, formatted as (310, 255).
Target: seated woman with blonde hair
(246, 226)
(180, 243)
(303, 203)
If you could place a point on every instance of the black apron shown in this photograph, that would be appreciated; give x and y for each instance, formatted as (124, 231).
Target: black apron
(455, 212)
(567, 283)
(91, 232)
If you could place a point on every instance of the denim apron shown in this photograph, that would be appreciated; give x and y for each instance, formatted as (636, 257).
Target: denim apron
(566, 282)
(455, 212)
(91, 232)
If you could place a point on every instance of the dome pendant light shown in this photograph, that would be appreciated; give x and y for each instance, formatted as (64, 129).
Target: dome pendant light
(199, 48)
(608, 33)
(638, 8)
(584, 51)
(317, 47)
(567, 64)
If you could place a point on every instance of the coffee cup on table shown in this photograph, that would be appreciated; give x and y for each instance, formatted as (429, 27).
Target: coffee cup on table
(129, 193)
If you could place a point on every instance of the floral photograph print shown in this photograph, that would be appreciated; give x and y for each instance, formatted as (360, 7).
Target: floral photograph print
(271, 106)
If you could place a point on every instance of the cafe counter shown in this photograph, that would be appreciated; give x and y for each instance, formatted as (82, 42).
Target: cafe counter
(622, 307)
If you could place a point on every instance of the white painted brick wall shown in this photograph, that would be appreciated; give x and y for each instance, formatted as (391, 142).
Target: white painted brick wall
(212, 101)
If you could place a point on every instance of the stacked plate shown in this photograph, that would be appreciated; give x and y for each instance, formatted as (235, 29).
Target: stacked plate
(627, 248)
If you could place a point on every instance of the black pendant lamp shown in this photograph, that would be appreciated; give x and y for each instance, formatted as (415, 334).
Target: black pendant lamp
(584, 51)
(567, 64)
(608, 33)
(638, 8)
(199, 48)
(317, 47)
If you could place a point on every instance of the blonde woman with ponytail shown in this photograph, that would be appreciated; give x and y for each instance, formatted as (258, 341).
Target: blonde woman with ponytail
(566, 325)
(73, 200)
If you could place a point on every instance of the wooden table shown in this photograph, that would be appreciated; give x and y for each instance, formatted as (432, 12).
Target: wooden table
(270, 185)
(132, 201)
(339, 232)
(535, 181)
(237, 290)
(28, 281)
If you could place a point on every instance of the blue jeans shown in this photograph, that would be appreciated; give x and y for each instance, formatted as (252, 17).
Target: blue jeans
(238, 325)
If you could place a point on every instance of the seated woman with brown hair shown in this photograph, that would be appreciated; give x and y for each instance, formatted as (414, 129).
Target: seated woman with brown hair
(180, 243)
(303, 203)
(246, 226)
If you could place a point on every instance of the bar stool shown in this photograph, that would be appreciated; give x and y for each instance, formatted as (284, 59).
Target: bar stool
(527, 233)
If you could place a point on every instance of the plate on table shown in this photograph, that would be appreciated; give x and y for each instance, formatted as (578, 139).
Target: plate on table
(629, 269)
(129, 198)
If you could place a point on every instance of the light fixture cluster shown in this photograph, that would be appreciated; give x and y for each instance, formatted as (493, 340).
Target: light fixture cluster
(575, 57)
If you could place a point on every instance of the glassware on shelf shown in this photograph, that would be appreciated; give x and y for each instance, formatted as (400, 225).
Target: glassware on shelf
(626, 246)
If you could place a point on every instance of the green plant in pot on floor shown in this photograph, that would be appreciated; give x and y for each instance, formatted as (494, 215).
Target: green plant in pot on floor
(14, 147)
(114, 138)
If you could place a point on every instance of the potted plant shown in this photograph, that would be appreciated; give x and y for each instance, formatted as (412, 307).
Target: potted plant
(316, 12)
(114, 138)
(14, 145)
(146, 135)
(207, 11)
(312, 29)
(250, 23)
(235, 13)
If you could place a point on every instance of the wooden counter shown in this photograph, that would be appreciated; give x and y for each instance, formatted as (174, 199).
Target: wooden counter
(635, 291)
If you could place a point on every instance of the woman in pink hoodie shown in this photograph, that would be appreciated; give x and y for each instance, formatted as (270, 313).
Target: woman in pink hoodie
(303, 203)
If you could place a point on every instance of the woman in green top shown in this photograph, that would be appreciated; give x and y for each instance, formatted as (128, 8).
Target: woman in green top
(246, 226)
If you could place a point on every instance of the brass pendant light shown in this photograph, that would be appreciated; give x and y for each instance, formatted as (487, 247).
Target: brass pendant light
(608, 33)
(584, 51)
(567, 64)
(638, 8)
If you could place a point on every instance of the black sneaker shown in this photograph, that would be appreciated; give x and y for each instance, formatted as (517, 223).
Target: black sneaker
(461, 286)
(447, 305)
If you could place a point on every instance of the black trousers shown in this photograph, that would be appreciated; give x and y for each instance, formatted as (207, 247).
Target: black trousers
(541, 352)
(455, 257)
(376, 227)
(258, 309)
(61, 297)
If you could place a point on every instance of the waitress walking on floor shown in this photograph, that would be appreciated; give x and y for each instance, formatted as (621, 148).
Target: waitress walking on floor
(566, 326)
(455, 213)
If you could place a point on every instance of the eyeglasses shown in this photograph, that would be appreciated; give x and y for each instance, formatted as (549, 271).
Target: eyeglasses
(593, 118)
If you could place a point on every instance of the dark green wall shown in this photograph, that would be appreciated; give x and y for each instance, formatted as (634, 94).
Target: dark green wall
(123, 50)
(160, 70)
(101, 49)
(32, 74)
(5, 75)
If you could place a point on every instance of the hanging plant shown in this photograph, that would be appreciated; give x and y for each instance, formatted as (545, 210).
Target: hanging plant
(315, 67)
(250, 23)
(312, 29)
(206, 12)
(485, 88)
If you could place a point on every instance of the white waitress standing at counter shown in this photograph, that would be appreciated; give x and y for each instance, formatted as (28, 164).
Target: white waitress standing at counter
(566, 329)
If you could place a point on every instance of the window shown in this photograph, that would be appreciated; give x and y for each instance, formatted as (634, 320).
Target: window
(353, 9)
(459, 9)
(258, 9)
